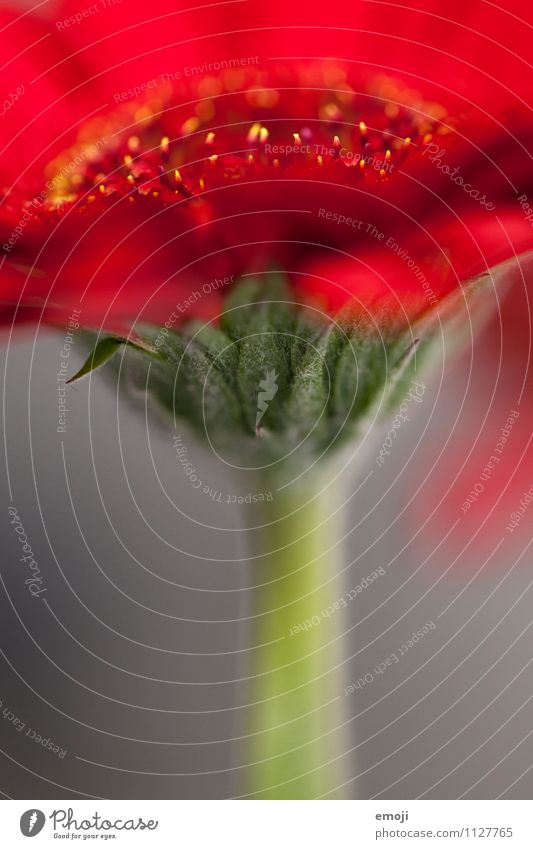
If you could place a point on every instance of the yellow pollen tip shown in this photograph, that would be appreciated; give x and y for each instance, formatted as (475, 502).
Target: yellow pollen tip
(263, 135)
(210, 138)
(201, 183)
(177, 176)
(407, 141)
(320, 160)
(388, 154)
(102, 188)
(134, 143)
(164, 144)
(276, 163)
(336, 141)
(128, 160)
(362, 128)
(190, 125)
(130, 178)
(213, 158)
(297, 138)
(253, 133)
(361, 163)
(250, 159)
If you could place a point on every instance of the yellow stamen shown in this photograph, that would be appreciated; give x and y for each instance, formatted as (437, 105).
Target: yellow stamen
(190, 125)
(253, 133)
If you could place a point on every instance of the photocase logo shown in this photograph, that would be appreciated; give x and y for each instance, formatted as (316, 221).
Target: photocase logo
(268, 389)
(32, 822)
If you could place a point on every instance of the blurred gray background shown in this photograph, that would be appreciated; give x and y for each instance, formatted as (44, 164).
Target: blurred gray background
(136, 663)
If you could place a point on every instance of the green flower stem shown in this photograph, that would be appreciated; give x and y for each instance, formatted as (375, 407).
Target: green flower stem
(295, 687)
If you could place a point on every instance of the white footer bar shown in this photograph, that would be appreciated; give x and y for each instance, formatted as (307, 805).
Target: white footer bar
(267, 825)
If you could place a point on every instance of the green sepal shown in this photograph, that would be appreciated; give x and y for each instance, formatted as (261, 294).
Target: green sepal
(104, 350)
(319, 376)
(272, 380)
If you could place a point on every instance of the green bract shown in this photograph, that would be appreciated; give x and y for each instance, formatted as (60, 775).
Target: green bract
(270, 380)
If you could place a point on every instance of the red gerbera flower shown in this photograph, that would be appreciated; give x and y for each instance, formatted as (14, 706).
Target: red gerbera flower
(367, 184)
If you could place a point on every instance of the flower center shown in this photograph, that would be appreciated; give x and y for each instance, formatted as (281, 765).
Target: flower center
(240, 127)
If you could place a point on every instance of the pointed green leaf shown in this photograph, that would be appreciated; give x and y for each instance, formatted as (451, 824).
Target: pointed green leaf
(105, 349)
(101, 353)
